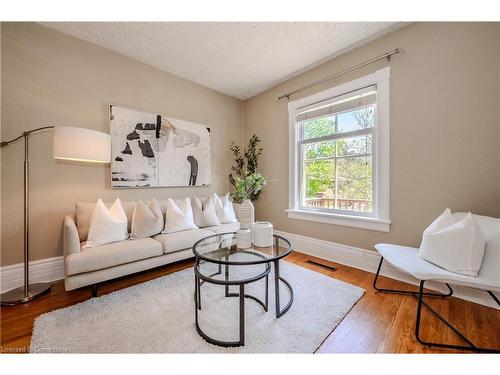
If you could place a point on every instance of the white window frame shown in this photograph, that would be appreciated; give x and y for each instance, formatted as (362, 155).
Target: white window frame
(379, 219)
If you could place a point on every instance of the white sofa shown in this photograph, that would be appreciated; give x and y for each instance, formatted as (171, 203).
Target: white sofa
(97, 264)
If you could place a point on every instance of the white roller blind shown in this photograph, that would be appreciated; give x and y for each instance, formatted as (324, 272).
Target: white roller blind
(348, 102)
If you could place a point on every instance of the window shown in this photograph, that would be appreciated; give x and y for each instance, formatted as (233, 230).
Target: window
(339, 154)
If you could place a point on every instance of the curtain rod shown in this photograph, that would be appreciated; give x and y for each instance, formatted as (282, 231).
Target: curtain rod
(386, 55)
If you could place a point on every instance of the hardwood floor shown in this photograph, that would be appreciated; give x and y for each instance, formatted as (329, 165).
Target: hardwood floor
(378, 323)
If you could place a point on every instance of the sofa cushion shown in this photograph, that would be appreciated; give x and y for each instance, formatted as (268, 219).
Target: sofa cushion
(107, 225)
(185, 239)
(224, 208)
(204, 212)
(224, 228)
(179, 216)
(147, 219)
(112, 254)
(84, 211)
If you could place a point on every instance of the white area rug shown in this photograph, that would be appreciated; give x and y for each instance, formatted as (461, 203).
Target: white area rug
(158, 317)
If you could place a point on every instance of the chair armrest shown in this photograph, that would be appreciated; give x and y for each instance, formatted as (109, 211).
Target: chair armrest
(71, 240)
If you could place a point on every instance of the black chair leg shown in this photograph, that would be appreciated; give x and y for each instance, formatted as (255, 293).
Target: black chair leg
(470, 346)
(413, 293)
(495, 298)
(419, 295)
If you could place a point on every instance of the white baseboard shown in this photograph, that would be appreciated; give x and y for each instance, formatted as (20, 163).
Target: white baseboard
(43, 270)
(368, 260)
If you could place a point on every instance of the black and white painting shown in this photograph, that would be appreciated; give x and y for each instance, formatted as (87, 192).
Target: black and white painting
(153, 150)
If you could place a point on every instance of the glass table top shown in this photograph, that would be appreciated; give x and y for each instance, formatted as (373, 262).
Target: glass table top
(221, 248)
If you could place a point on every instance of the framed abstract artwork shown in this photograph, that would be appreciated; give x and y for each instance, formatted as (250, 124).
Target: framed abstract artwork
(154, 150)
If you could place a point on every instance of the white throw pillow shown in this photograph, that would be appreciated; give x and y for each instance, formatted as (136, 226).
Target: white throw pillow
(455, 246)
(224, 209)
(147, 220)
(204, 212)
(179, 216)
(107, 225)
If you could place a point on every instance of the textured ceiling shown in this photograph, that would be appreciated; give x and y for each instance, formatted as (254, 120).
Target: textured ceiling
(241, 59)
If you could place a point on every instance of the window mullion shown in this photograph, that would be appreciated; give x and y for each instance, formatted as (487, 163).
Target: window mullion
(336, 170)
(333, 137)
(338, 157)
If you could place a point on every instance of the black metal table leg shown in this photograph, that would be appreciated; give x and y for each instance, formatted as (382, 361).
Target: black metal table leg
(221, 257)
(195, 292)
(242, 314)
(277, 286)
(277, 278)
(264, 304)
(199, 294)
(226, 277)
(200, 279)
(267, 293)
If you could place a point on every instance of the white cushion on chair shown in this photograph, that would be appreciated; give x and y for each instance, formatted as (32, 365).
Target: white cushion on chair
(456, 245)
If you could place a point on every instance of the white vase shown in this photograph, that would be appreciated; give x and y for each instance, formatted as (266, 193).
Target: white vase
(263, 234)
(244, 239)
(246, 214)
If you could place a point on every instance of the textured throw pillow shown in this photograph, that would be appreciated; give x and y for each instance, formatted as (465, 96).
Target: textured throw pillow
(457, 246)
(204, 212)
(224, 209)
(107, 224)
(179, 216)
(147, 220)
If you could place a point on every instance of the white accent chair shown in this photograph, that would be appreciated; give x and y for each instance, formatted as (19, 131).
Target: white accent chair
(407, 259)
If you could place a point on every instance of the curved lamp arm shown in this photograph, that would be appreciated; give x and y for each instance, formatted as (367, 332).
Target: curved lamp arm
(25, 134)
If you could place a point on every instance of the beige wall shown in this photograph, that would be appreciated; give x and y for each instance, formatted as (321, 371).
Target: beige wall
(444, 130)
(498, 107)
(51, 78)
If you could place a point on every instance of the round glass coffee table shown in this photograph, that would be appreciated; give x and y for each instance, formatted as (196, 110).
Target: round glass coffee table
(215, 257)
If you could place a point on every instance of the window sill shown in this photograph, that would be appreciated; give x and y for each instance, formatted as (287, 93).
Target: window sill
(361, 222)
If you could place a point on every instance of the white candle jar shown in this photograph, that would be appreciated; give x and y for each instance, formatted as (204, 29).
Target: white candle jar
(244, 239)
(262, 234)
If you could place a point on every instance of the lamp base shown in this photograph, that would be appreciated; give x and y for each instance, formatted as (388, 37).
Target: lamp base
(16, 296)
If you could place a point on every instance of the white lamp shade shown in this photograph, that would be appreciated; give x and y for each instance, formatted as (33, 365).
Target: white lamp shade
(79, 144)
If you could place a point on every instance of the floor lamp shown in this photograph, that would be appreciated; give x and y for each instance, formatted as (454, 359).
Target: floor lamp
(75, 144)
